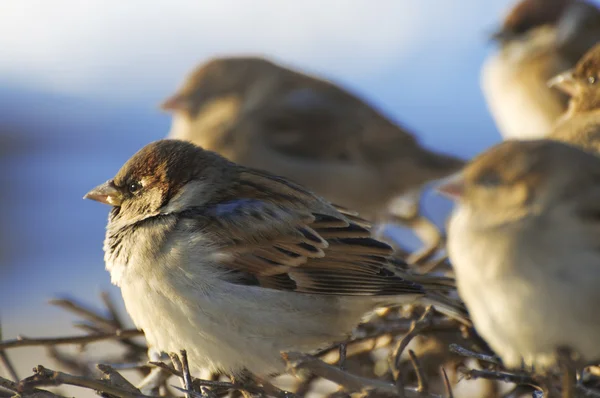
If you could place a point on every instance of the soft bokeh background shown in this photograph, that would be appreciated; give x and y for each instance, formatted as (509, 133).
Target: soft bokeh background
(80, 82)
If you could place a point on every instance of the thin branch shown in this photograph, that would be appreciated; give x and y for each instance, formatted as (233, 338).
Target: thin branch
(422, 383)
(22, 341)
(47, 377)
(447, 384)
(85, 313)
(350, 382)
(8, 365)
(473, 374)
(455, 348)
(416, 327)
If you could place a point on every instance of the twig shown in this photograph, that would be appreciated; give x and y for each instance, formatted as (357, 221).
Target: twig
(350, 382)
(85, 313)
(8, 384)
(416, 327)
(47, 377)
(185, 370)
(473, 374)
(116, 379)
(30, 342)
(8, 365)
(422, 383)
(455, 348)
(447, 385)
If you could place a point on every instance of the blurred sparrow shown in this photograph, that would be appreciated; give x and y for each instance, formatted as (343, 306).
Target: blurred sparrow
(523, 240)
(581, 123)
(538, 40)
(236, 265)
(263, 115)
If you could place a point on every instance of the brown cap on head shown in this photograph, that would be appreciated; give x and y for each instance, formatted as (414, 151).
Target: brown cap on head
(530, 14)
(217, 77)
(519, 168)
(165, 165)
(588, 68)
(582, 83)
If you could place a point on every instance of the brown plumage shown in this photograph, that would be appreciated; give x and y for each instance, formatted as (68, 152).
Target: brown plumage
(580, 125)
(523, 240)
(264, 115)
(242, 263)
(538, 40)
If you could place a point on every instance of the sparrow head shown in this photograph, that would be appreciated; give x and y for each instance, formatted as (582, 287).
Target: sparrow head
(527, 15)
(216, 79)
(163, 177)
(518, 179)
(582, 82)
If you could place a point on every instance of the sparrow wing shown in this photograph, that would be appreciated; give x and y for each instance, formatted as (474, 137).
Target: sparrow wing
(323, 122)
(275, 234)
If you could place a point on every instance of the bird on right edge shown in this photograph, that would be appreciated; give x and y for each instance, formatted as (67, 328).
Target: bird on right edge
(538, 40)
(524, 243)
(580, 125)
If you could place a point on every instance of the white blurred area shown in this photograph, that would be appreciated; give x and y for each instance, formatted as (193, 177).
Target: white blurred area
(80, 82)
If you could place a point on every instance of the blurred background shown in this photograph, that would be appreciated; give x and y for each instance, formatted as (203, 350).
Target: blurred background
(80, 84)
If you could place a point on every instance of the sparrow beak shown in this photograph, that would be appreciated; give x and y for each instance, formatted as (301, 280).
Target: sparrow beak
(106, 193)
(564, 82)
(453, 186)
(501, 35)
(174, 103)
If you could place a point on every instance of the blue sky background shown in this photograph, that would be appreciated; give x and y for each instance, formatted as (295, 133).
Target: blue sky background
(80, 82)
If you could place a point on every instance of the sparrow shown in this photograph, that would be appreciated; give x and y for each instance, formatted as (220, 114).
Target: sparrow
(236, 265)
(523, 240)
(538, 40)
(264, 115)
(580, 125)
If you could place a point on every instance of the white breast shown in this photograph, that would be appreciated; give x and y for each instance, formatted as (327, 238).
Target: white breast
(524, 302)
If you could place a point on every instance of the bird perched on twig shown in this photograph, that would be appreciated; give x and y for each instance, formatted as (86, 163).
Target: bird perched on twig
(263, 115)
(236, 265)
(580, 125)
(538, 40)
(523, 240)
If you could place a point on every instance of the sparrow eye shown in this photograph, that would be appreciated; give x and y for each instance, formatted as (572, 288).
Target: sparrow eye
(489, 180)
(592, 80)
(134, 187)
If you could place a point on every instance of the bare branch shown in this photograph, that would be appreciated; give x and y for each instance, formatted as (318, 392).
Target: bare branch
(8, 365)
(422, 383)
(447, 384)
(47, 377)
(455, 348)
(90, 338)
(416, 327)
(350, 382)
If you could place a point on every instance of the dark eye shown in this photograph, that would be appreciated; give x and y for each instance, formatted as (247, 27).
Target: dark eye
(134, 187)
(489, 180)
(592, 79)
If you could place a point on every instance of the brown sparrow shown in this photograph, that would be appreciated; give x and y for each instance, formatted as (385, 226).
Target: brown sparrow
(523, 240)
(580, 125)
(538, 40)
(264, 115)
(236, 265)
